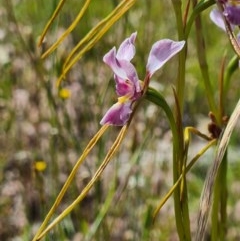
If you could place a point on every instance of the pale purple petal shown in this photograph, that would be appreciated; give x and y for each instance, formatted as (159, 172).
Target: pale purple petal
(110, 59)
(217, 18)
(127, 49)
(123, 69)
(161, 52)
(128, 69)
(118, 114)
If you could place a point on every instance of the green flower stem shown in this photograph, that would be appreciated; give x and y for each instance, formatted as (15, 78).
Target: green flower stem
(181, 213)
(232, 66)
(180, 195)
(201, 52)
(200, 7)
(180, 85)
(218, 230)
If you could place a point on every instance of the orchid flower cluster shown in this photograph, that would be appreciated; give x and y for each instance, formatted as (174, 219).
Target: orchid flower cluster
(231, 11)
(128, 86)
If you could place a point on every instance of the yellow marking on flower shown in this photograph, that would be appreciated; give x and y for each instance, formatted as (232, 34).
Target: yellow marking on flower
(40, 165)
(64, 93)
(123, 99)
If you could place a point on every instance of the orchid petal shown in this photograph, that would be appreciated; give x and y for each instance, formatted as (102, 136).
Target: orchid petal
(123, 69)
(217, 18)
(127, 49)
(161, 52)
(111, 60)
(118, 114)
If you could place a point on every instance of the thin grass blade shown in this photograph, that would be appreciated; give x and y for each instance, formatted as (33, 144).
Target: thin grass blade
(88, 187)
(188, 167)
(94, 36)
(89, 147)
(57, 10)
(68, 31)
(206, 199)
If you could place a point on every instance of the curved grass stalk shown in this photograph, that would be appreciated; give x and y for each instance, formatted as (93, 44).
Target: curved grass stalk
(87, 188)
(119, 11)
(197, 9)
(114, 195)
(57, 10)
(187, 137)
(67, 32)
(89, 147)
(188, 167)
(155, 97)
(193, 130)
(206, 198)
(94, 35)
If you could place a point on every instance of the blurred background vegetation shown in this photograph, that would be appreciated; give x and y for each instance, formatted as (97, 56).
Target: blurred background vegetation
(43, 130)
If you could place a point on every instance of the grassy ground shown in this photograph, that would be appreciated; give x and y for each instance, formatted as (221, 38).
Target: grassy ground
(40, 126)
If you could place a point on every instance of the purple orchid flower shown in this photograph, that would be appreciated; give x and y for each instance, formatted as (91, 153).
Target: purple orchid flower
(217, 18)
(128, 87)
(231, 11)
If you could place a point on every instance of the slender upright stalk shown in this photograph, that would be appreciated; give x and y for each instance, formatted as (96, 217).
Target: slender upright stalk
(181, 212)
(223, 198)
(219, 222)
(201, 52)
(232, 66)
(180, 84)
(206, 199)
(197, 9)
(155, 97)
(180, 195)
